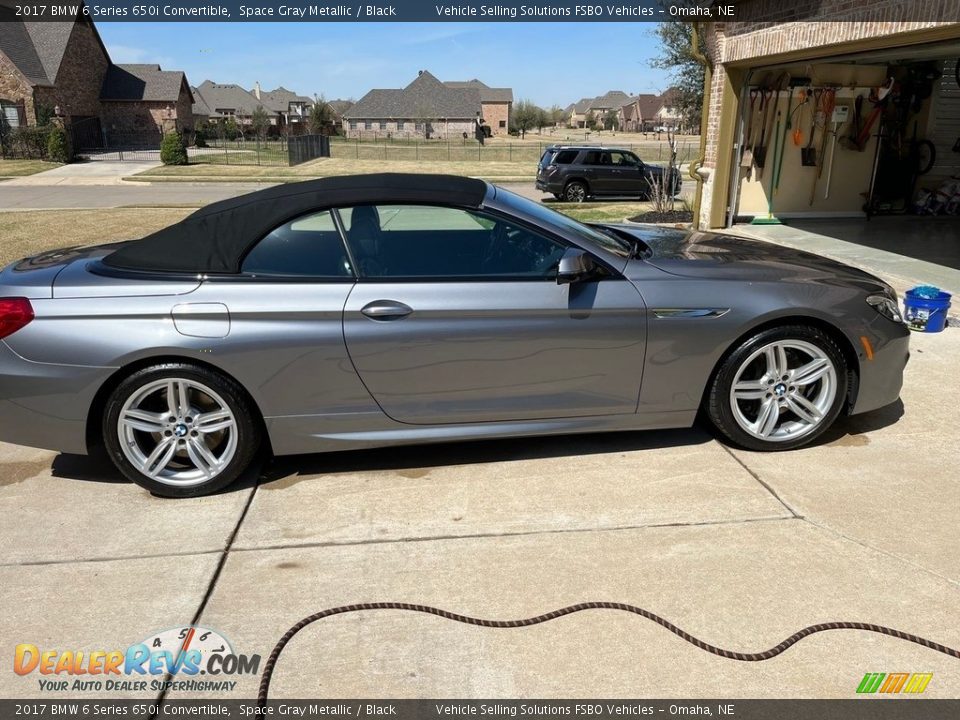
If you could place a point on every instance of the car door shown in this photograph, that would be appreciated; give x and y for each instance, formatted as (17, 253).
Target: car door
(629, 177)
(458, 318)
(599, 172)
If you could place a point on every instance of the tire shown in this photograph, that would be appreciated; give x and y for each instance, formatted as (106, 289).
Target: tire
(171, 450)
(805, 404)
(575, 191)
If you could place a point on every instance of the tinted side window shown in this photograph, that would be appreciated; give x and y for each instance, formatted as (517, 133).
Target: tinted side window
(309, 246)
(565, 157)
(418, 241)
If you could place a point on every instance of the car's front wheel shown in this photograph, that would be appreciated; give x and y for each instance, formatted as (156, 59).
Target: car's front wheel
(779, 389)
(180, 430)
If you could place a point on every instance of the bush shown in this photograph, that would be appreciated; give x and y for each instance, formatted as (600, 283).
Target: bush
(172, 149)
(58, 149)
(27, 142)
(200, 137)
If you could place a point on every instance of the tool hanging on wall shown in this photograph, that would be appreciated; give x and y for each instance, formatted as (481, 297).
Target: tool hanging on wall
(828, 103)
(798, 132)
(770, 219)
(760, 149)
(840, 115)
(773, 99)
(783, 139)
(746, 158)
(808, 155)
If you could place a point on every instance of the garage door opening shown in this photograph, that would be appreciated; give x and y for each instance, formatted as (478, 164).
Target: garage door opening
(864, 148)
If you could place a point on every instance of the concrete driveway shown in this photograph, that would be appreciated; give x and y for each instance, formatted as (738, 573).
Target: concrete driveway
(738, 548)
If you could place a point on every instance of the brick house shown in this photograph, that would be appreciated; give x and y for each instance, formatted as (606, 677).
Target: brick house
(639, 113)
(852, 49)
(228, 100)
(428, 107)
(139, 103)
(63, 69)
(291, 109)
(598, 106)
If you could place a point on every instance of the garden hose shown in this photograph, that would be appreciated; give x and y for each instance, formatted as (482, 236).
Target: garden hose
(579, 607)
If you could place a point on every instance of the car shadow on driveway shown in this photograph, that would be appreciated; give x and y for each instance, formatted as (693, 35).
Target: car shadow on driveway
(413, 457)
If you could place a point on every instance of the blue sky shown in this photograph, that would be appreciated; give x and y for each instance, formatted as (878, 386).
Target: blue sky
(549, 63)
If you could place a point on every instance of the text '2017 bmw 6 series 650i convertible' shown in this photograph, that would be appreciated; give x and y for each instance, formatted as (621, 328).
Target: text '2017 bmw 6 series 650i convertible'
(377, 310)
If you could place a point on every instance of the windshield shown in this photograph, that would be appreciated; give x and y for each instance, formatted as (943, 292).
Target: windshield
(564, 224)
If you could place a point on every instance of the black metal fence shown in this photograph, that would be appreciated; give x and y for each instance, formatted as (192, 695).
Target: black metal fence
(302, 148)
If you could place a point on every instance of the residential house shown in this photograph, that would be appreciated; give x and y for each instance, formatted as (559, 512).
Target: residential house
(228, 100)
(63, 69)
(428, 107)
(139, 103)
(339, 107)
(644, 113)
(855, 50)
(495, 104)
(291, 110)
(598, 107)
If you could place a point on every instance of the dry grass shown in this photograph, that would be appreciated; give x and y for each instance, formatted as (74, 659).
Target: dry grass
(603, 212)
(19, 168)
(29, 233)
(494, 171)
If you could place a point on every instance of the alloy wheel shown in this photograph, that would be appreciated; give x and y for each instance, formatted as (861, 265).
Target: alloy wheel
(177, 431)
(783, 390)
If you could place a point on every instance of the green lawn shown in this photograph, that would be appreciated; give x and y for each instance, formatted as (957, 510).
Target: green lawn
(19, 168)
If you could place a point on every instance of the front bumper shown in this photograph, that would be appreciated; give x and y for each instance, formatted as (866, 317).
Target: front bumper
(881, 378)
(44, 405)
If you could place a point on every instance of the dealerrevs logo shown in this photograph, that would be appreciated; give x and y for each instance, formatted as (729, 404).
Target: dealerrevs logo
(184, 654)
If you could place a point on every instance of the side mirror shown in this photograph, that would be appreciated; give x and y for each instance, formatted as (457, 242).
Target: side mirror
(575, 265)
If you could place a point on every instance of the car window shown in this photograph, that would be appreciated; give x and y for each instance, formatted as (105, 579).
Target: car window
(592, 157)
(619, 157)
(432, 242)
(309, 246)
(565, 157)
(546, 158)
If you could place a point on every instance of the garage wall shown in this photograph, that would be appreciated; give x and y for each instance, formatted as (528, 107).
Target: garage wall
(946, 126)
(851, 168)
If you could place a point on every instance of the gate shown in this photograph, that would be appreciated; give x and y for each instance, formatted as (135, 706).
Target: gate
(302, 148)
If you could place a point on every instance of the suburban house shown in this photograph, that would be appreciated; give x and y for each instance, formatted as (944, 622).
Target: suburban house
(339, 107)
(63, 70)
(643, 113)
(228, 100)
(599, 106)
(428, 107)
(141, 102)
(292, 110)
(856, 55)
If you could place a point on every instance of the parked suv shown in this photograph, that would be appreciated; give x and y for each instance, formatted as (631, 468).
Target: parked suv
(575, 173)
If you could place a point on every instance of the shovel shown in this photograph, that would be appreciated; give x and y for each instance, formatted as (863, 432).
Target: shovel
(760, 150)
(746, 160)
(808, 155)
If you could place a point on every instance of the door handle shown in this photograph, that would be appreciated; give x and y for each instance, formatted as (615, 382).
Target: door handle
(386, 310)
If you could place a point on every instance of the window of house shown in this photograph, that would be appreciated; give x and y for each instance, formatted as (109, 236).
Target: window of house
(503, 123)
(431, 242)
(400, 124)
(353, 124)
(418, 127)
(309, 246)
(368, 125)
(383, 124)
(9, 115)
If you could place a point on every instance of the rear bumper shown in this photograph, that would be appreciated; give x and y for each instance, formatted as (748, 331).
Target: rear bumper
(545, 186)
(45, 406)
(881, 378)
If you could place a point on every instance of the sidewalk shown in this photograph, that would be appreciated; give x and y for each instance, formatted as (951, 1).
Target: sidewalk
(83, 173)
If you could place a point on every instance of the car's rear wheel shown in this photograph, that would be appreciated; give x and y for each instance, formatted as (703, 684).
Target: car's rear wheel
(779, 389)
(575, 191)
(180, 430)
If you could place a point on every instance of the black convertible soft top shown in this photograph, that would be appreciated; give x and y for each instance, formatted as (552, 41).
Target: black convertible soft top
(216, 238)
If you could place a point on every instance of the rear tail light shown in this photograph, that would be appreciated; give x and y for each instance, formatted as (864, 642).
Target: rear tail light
(14, 314)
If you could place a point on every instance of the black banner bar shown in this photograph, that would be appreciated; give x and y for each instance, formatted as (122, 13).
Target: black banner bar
(873, 708)
(471, 11)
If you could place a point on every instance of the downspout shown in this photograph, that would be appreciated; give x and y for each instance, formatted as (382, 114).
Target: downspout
(697, 163)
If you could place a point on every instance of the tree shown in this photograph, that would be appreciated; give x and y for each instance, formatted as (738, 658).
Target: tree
(525, 116)
(230, 129)
(557, 115)
(611, 121)
(260, 121)
(172, 149)
(590, 121)
(321, 120)
(58, 148)
(686, 72)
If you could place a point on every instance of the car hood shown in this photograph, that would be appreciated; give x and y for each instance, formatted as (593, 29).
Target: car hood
(712, 255)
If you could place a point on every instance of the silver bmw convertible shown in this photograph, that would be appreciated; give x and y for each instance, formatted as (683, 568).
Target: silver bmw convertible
(377, 310)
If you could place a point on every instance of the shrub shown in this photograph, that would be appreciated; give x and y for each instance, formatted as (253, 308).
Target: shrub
(172, 149)
(58, 149)
(200, 137)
